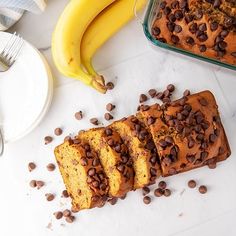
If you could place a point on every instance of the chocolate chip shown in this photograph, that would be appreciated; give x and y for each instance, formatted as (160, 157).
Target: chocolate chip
(212, 138)
(169, 139)
(118, 148)
(58, 215)
(31, 166)
(95, 184)
(174, 39)
(123, 197)
(171, 26)
(200, 137)
(108, 116)
(113, 200)
(188, 18)
(153, 160)
(145, 107)
(153, 172)
(91, 171)
(211, 163)
(32, 183)
(186, 131)
(108, 131)
(167, 10)
(79, 115)
(193, 28)
(49, 196)
(159, 95)
(70, 219)
(110, 107)
(203, 101)
(146, 191)
(192, 183)
(224, 33)
(150, 120)
(51, 167)
(94, 121)
(178, 14)
(39, 184)
(233, 54)
(167, 160)
(162, 184)
(213, 26)
(66, 213)
(167, 192)
(174, 4)
(198, 14)
(172, 18)
(202, 48)
(48, 139)
(158, 192)
(152, 92)
(172, 171)
(83, 161)
(162, 40)
(203, 155)
(65, 194)
(163, 5)
(150, 145)
(156, 31)
(110, 86)
(187, 93)
(68, 138)
(179, 128)
(96, 162)
(204, 145)
(202, 27)
(103, 186)
(147, 200)
(143, 98)
(217, 132)
(203, 37)
(58, 131)
(216, 3)
(163, 143)
(191, 142)
(202, 189)
(190, 158)
(190, 40)
(222, 45)
(183, 4)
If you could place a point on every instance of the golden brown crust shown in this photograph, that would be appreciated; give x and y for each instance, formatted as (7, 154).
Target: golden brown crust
(206, 26)
(114, 158)
(141, 148)
(188, 133)
(73, 155)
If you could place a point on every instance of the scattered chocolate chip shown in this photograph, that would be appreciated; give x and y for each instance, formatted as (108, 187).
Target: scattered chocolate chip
(147, 200)
(202, 48)
(156, 31)
(224, 33)
(83, 161)
(31, 166)
(91, 171)
(113, 200)
(94, 121)
(110, 107)
(58, 215)
(202, 189)
(211, 163)
(108, 116)
(48, 139)
(32, 183)
(58, 131)
(49, 196)
(79, 115)
(66, 213)
(96, 162)
(162, 184)
(39, 184)
(163, 5)
(190, 40)
(110, 86)
(108, 131)
(70, 219)
(213, 26)
(65, 194)
(193, 28)
(188, 18)
(158, 192)
(178, 14)
(174, 4)
(216, 3)
(171, 26)
(167, 192)
(146, 191)
(51, 167)
(172, 18)
(152, 92)
(202, 27)
(143, 98)
(67, 138)
(170, 88)
(203, 37)
(192, 183)
(167, 10)
(178, 29)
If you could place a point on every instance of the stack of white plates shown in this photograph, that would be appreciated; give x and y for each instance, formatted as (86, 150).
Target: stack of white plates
(25, 92)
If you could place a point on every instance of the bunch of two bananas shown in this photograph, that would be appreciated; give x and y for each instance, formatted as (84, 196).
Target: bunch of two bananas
(83, 27)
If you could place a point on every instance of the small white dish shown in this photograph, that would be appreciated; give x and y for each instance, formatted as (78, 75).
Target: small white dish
(25, 92)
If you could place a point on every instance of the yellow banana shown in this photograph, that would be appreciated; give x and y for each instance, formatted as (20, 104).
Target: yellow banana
(67, 35)
(107, 23)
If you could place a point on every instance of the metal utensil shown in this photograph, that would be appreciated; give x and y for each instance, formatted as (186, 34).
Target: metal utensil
(10, 52)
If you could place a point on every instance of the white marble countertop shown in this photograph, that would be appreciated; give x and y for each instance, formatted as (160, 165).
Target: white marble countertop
(129, 61)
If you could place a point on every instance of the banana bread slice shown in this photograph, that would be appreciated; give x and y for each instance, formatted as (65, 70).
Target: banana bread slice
(82, 173)
(114, 158)
(188, 133)
(141, 149)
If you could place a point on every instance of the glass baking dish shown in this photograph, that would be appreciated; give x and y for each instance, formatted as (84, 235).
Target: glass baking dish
(149, 18)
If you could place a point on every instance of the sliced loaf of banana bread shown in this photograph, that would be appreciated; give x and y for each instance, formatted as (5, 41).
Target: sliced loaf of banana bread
(141, 149)
(82, 173)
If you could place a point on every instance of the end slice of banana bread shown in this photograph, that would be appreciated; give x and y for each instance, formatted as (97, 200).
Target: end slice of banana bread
(86, 183)
(188, 133)
(114, 158)
(141, 148)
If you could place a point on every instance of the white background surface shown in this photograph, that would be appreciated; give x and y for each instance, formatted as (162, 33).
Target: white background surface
(134, 67)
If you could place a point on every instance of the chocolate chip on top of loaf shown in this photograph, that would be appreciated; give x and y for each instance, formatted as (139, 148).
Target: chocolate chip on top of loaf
(204, 27)
(187, 133)
(141, 148)
(83, 175)
(114, 158)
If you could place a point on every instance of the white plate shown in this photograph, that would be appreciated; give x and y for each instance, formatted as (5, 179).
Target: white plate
(25, 92)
